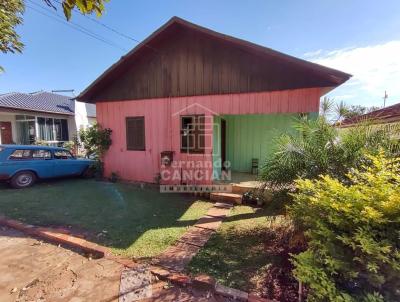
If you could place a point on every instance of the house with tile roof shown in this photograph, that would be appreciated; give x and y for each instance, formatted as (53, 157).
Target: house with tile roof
(26, 118)
(386, 115)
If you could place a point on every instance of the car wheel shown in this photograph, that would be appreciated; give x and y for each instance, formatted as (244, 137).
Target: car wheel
(23, 179)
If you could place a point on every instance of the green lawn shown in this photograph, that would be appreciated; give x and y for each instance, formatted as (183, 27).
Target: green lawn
(236, 255)
(132, 221)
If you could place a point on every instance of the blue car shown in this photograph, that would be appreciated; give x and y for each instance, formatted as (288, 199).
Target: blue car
(22, 165)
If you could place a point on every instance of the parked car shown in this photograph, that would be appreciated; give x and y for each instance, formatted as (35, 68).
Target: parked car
(22, 165)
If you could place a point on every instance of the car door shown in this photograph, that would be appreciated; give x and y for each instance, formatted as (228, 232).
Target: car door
(42, 162)
(65, 164)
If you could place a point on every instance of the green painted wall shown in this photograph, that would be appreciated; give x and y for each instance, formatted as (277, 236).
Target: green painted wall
(252, 136)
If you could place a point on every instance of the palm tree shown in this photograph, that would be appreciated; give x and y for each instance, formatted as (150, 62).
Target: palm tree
(319, 147)
(341, 110)
(326, 107)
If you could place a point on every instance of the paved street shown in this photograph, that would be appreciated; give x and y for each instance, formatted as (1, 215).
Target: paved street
(32, 270)
(36, 271)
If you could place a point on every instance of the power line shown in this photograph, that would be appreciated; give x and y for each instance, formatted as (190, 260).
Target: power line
(110, 28)
(74, 26)
(102, 24)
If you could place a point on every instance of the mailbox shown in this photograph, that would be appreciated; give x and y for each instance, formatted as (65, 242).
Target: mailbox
(167, 157)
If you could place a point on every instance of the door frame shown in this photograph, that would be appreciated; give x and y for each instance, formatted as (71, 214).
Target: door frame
(223, 143)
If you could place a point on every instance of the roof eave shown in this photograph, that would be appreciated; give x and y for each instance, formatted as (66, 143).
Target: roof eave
(35, 110)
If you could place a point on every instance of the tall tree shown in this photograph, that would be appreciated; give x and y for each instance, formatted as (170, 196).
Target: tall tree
(85, 6)
(357, 110)
(11, 15)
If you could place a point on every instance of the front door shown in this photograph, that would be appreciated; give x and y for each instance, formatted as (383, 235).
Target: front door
(5, 133)
(223, 143)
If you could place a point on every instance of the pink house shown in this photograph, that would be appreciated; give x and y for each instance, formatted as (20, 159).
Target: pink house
(189, 103)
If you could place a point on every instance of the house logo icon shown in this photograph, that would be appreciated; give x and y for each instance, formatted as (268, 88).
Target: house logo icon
(193, 107)
(197, 129)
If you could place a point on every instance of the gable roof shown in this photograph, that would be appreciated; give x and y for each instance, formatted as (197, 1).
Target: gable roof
(331, 76)
(388, 114)
(41, 101)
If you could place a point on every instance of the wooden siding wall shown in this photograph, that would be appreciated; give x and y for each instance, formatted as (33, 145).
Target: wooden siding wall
(252, 136)
(191, 64)
(162, 120)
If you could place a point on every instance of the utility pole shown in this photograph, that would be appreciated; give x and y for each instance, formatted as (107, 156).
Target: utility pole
(385, 97)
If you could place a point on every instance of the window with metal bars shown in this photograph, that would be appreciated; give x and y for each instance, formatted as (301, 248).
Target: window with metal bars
(192, 134)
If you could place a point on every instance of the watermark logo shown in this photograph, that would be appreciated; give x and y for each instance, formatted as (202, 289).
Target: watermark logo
(195, 171)
(195, 188)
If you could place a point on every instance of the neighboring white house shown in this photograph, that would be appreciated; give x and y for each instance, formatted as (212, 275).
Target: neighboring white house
(26, 118)
(85, 115)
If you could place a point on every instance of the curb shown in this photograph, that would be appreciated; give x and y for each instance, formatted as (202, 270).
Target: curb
(58, 236)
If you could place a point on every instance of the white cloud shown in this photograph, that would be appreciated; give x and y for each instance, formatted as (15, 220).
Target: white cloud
(375, 68)
(312, 54)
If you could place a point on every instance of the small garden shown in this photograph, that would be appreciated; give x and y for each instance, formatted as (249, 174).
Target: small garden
(332, 231)
(249, 252)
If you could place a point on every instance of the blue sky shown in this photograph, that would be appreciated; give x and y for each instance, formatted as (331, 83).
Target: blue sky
(359, 37)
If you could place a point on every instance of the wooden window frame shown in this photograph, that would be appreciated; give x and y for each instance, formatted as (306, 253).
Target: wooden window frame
(130, 148)
(197, 131)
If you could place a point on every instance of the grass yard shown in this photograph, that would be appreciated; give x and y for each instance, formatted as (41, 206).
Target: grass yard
(239, 254)
(132, 221)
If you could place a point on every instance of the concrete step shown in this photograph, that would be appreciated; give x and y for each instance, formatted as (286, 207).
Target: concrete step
(238, 189)
(246, 186)
(226, 197)
(242, 188)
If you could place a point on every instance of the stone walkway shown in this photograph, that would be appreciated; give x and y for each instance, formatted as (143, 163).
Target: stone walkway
(138, 284)
(179, 255)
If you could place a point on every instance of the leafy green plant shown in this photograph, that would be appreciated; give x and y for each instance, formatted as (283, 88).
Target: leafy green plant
(39, 142)
(70, 145)
(353, 233)
(84, 6)
(11, 16)
(95, 140)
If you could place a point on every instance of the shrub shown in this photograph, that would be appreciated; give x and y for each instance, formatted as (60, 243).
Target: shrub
(95, 140)
(353, 233)
(41, 143)
(71, 146)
